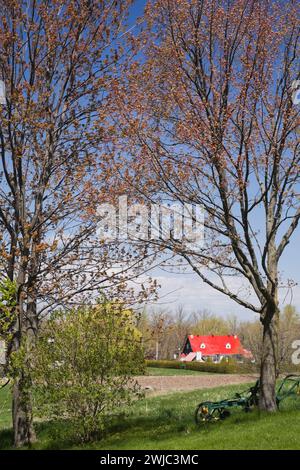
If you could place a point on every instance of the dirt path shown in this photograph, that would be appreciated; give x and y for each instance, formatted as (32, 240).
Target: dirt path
(163, 384)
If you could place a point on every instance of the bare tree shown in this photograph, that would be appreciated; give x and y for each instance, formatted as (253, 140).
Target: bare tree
(58, 61)
(209, 119)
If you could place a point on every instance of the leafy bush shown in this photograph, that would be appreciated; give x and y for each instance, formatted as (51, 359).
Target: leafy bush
(83, 364)
(8, 301)
(221, 368)
(7, 307)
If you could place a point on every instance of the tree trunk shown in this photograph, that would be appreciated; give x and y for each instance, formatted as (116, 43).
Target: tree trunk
(268, 370)
(22, 413)
(22, 416)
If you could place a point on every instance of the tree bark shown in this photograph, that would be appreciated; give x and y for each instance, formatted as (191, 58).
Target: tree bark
(268, 370)
(22, 413)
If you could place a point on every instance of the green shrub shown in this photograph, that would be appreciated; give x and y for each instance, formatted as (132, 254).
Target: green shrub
(222, 368)
(8, 301)
(83, 365)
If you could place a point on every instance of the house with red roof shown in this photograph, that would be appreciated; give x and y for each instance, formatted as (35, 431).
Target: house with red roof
(200, 348)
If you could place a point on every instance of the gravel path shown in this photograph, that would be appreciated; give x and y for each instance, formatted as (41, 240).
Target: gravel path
(164, 384)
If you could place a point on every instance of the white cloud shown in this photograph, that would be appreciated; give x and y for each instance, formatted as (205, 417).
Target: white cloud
(189, 291)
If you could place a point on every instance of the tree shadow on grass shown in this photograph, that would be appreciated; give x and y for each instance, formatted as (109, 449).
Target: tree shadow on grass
(6, 439)
(60, 435)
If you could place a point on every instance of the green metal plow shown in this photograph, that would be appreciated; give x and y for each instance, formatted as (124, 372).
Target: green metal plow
(209, 411)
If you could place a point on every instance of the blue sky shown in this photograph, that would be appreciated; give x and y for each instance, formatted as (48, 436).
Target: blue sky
(136, 10)
(190, 291)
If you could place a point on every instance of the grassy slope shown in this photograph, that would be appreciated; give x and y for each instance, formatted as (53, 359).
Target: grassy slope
(166, 422)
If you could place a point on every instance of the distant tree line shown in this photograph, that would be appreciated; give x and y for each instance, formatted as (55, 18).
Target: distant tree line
(164, 332)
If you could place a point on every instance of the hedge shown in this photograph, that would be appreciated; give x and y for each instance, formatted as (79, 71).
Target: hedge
(222, 368)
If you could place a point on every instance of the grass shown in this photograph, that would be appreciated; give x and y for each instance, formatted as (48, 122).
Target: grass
(166, 372)
(5, 408)
(166, 422)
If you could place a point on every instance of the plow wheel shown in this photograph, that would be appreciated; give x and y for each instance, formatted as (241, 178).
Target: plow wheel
(205, 413)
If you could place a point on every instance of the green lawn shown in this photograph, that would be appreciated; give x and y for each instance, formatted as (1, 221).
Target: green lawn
(162, 371)
(5, 412)
(166, 422)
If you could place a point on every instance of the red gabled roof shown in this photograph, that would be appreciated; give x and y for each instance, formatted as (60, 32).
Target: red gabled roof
(211, 345)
